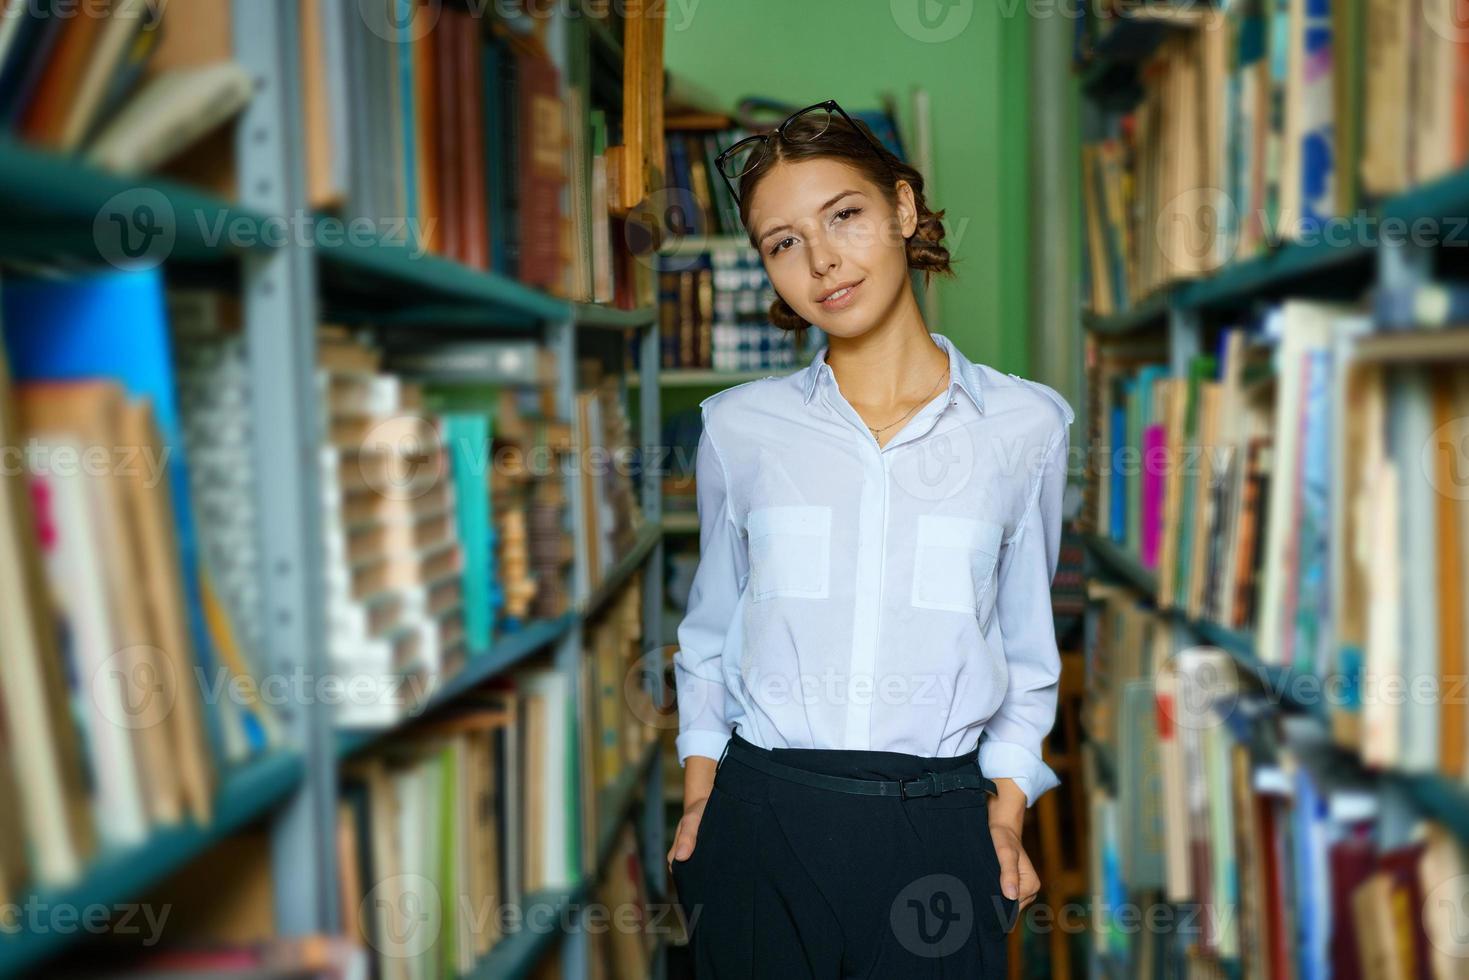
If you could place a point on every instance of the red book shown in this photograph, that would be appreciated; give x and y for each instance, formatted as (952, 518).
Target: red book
(475, 226)
(447, 75)
(542, 172)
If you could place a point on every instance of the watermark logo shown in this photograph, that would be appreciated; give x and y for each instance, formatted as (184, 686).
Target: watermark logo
(932, 21)
(401, 20)
(662, 221)
(933, 916)
(135, 688)
(939, 466)
(649, 689)
(1206, 690)
(407, 915)
(1193, 229)
(1445, 916)
(1449, 19)
(402, 458)
(1451, 438)
(136, 229)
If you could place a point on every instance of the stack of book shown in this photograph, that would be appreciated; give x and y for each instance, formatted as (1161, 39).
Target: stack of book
(462, 818)
(1262, 123)
(110, 673)
(1224, 805)
(612, 514)
(513, 440)
(626, 953)
(1295, 493)
(394, 557)
(119, 83)
(450, 133)
(215, 397)
(713, 313)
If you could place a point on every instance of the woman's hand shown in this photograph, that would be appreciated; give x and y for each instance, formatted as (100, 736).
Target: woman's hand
(1017, 875)
(1007, 821)
(687, 834)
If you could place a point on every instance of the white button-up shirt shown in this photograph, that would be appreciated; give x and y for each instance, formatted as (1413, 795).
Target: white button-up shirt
(897, 598)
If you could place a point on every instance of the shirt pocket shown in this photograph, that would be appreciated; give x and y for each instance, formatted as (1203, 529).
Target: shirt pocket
(954, 564)
(790, 552)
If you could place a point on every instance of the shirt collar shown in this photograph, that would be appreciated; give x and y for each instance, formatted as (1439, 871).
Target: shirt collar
(962, 373)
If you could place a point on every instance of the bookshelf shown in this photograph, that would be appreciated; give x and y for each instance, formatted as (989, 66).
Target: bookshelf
(1297, 269)
(1443, 800)
(1174, 325)
(253, 791)
(52, 207)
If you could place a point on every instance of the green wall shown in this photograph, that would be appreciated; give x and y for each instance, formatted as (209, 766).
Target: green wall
(972, 60)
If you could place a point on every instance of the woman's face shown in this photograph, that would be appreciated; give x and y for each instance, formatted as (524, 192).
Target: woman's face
(819, 225)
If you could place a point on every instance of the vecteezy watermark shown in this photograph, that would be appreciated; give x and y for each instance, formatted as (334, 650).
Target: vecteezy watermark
(136, 229)
(932, 916)
(149, 11)
(932, 21)
(1449, 19)
(662, 221)
(942, 464)
(406, 914)
(412, 20)
(1202, 227)
(139, 229)
(1450, 439)
(356, 688)
(402, 21)
(648, 695)
(138, 687)
(1204, 686)
(402, 457)
(37, 917)
(1445, 916)
(41, 458)
(834, 687)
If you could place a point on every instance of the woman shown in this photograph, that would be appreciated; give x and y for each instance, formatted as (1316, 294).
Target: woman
(868, 662)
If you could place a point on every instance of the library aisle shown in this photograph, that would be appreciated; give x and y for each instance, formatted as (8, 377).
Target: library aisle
(353, 357)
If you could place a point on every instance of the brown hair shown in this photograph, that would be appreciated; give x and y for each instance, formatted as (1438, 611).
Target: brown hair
(925, 248)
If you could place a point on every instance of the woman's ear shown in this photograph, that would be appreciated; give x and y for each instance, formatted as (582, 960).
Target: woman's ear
(907, 210)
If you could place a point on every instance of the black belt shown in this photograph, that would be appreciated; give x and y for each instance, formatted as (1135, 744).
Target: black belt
(929, 784)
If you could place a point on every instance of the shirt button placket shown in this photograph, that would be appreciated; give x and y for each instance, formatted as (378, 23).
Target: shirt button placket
(871, 554)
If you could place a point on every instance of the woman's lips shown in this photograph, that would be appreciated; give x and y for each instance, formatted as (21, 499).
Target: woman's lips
(842, 299)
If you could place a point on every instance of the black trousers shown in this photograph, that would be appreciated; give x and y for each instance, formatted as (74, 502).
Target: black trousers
(793, 881)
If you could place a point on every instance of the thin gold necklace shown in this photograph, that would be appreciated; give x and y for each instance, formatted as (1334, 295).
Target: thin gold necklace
(922, 401)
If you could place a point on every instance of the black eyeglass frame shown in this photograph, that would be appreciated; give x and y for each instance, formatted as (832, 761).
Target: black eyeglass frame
(765, 138)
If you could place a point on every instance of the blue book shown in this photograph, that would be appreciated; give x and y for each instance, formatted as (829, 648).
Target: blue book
(492, 67)
(115, 325)
(1117, 523)
(1313, 542)
(404, 18)
(469, 446)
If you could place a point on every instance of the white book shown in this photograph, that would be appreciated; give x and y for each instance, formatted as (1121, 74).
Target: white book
(43, 804)
(1410, 422)
(78, 580)
(1303, 327)
(169, 114)
(553, 685)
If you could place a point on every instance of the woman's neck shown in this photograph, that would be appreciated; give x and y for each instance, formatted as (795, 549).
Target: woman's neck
(888, 367)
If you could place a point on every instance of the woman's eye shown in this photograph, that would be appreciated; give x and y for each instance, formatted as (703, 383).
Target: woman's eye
(778, 245)
(849, 211)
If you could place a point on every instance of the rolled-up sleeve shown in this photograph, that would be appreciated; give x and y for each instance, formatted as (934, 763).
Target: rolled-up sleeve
(1012, 747)
(713, 603)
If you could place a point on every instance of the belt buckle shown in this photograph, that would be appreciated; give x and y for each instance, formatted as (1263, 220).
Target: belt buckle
(928, 782)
